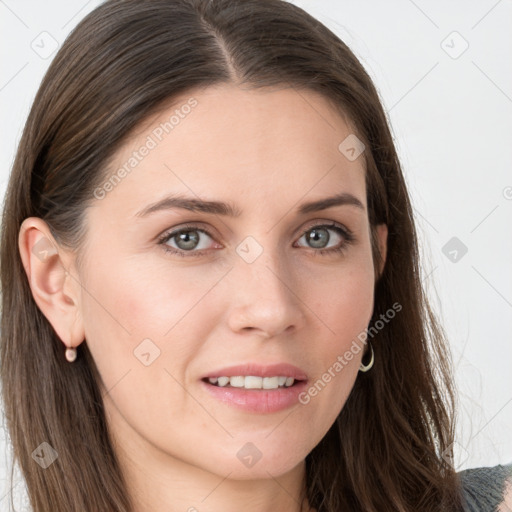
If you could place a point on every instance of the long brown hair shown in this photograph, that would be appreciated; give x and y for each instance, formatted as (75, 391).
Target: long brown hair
(389, 448)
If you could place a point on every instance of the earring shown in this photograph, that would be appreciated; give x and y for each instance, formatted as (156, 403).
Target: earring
(70, 354)
(362, 367)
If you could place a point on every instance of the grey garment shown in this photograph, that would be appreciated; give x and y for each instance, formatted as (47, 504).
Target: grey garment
(484, 488)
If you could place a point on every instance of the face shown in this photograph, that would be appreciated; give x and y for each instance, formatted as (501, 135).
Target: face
(271, 285)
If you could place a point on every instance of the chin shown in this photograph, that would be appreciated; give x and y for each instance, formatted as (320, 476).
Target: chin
(257, 461)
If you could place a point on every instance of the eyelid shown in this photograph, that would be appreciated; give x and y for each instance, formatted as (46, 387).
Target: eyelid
(346, 233)
(299, 231)
(168, 234)
(199, 226)
(323, 222)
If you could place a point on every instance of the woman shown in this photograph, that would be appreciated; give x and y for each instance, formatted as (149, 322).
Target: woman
(209, 247)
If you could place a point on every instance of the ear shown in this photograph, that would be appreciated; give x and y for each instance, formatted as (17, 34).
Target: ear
(382, 242)
(55, 291)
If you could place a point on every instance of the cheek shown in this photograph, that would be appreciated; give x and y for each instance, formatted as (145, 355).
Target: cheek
(344, 307)
(143, 298)
(154, 311)
(344, 301)
(142, 336)
(345, 310)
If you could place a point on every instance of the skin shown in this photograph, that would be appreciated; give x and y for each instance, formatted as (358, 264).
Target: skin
(265, 151)
(506, 505)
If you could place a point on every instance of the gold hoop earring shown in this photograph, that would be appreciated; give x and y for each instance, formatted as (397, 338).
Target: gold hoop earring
(362, 367)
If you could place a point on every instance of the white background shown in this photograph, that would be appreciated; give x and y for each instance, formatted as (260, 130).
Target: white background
(451, 116)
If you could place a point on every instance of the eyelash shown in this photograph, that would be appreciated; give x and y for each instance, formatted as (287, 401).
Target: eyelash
(345, 233)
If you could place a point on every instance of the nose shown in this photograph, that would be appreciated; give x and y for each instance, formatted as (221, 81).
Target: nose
(265, 296)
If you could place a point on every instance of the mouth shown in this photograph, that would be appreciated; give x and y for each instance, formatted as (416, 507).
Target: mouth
(255, 376)
(253, 382)
(257, 394)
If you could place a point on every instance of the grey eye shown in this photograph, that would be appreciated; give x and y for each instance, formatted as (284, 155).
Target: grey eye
(318, 237)
(187, 240)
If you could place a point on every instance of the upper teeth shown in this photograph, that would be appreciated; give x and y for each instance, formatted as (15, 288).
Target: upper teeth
(253, 382)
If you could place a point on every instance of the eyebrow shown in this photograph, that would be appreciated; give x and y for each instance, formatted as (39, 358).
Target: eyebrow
(227, 209)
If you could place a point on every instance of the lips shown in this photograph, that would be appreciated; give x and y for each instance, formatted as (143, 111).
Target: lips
(258, 401)
(258, 370)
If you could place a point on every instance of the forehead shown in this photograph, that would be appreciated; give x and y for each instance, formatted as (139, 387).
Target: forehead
(264, 146)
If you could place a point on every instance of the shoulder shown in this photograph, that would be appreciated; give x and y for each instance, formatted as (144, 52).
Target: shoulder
(487, 488)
